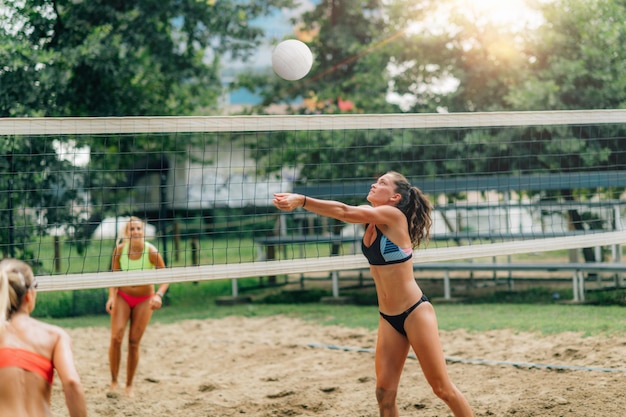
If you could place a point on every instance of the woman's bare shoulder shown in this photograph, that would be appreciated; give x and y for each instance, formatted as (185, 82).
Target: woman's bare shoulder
(46, 335)
(388, 215)
(151, 248)
(49, 327)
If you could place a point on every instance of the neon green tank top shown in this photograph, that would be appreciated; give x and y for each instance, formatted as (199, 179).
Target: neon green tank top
(127, 264)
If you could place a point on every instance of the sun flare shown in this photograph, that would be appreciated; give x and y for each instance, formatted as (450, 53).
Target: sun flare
(496, 11)
(516, 15)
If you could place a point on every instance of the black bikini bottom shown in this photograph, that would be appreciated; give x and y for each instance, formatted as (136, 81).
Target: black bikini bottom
(397, 321)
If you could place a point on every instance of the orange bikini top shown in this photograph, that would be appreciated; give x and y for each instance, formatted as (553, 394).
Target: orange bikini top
(27, 360)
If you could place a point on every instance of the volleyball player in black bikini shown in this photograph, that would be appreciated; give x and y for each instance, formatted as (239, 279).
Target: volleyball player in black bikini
(397, 221)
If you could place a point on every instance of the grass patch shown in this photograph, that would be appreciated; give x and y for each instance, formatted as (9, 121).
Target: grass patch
(546, 319)
(189, 301)
(535, 295)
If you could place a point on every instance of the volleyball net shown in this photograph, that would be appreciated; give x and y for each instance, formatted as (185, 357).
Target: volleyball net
(502, 184)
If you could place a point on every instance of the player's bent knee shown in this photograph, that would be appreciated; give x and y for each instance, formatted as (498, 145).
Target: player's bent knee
(445, 392)
(386, 398)
(133, 344)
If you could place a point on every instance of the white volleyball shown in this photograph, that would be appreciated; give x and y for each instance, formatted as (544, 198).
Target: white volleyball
(292, 59)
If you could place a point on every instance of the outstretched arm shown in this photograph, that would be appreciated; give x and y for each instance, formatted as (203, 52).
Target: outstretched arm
(335, 209)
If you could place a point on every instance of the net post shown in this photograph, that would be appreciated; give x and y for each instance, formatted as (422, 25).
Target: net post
(575, 286)
(578, 283)
(235, 288)
(446, 285)
(617, 248)
(57, 254)
(581, 285)
(335, 279)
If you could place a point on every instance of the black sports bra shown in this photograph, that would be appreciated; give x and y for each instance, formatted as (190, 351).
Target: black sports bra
(384, 252)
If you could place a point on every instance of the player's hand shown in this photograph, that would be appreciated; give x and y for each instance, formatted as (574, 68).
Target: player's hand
(156, 302)
(110, 305)
(288, 201)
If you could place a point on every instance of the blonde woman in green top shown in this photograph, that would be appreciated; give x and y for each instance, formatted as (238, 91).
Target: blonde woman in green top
(133, 303)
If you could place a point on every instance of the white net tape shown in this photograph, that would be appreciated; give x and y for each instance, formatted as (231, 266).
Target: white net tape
(113, 125)
(322, 264)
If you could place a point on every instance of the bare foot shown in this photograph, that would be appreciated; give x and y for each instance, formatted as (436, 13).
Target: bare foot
(111, 393)
(129, 391)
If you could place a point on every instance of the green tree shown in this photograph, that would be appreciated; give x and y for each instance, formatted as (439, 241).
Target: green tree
(122, 58)
(576, 60)
(350, 42)
(111, 58)
(469, 63)
(41, 192)
(353, 43)
(573, 60)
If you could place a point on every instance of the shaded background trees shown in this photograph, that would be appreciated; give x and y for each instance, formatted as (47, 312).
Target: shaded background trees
(121, 58)
(568, 55)
(145, 57)
(109, 58)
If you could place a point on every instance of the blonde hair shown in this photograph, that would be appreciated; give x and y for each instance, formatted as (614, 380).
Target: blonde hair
(16, 278)
(126, 235)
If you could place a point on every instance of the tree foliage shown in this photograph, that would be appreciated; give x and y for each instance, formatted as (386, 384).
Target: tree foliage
(40, 192)
(148, 57)
(576, 60)
(349, 40)
(364, 51)
(108, 58)
(121, 58)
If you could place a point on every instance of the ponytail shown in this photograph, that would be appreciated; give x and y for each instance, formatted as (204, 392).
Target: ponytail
(5, 301)
(16, 278)
(420, 220)
(416, 207)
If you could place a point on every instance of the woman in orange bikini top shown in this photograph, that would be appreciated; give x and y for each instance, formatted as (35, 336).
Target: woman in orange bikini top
(31, 350)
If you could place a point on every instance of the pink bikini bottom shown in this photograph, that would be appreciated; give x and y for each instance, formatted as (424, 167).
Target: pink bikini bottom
(132, 300)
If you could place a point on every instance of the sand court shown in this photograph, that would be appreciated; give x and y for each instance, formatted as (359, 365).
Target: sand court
(279, 366)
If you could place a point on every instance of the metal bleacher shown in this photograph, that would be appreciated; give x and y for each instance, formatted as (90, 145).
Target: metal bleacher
(502, 184)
